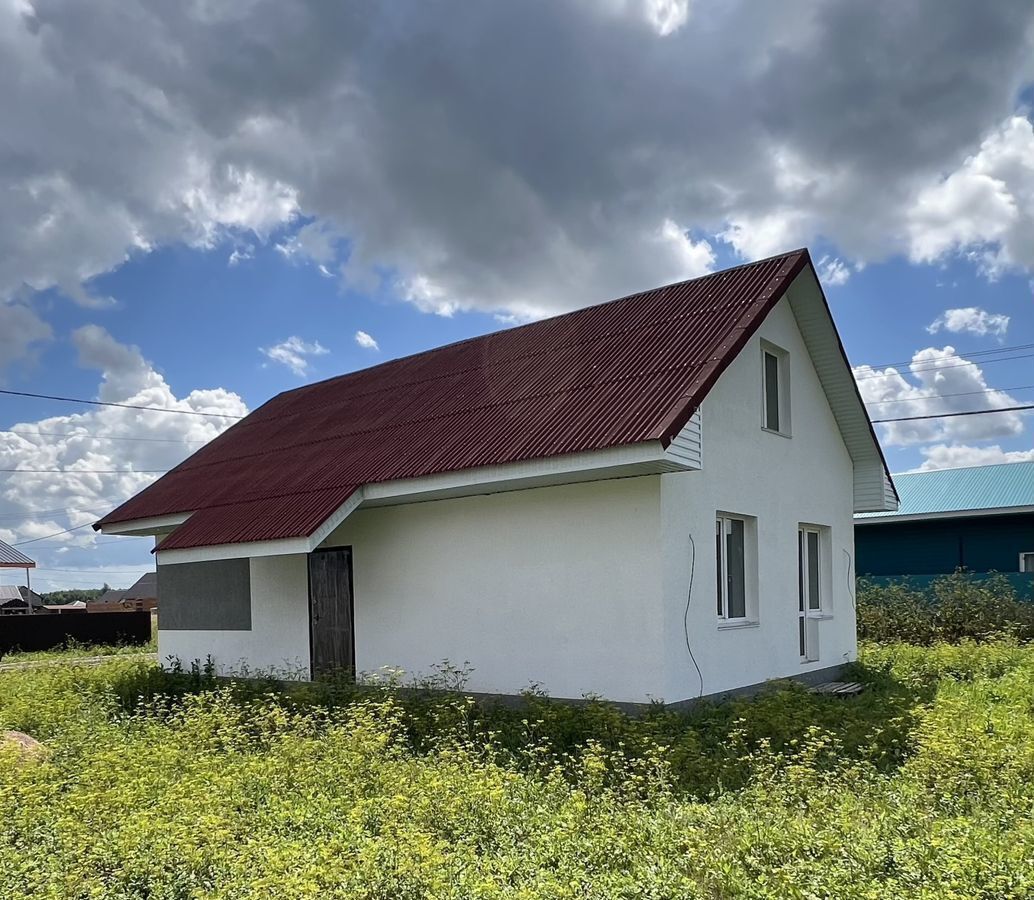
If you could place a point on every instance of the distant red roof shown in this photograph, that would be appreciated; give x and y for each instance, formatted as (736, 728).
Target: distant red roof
(623, 372)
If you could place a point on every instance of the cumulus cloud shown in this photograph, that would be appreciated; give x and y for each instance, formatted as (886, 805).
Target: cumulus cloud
(833, 271)
(985, 207)
(954, 456)
(105, 455)
(523, 161)
(20, 329)
(294, 353)
(366, 341)
(941, 382)
(972, 320)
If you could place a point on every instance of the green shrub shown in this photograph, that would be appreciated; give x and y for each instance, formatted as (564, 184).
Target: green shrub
(955, 607)
(164, 786)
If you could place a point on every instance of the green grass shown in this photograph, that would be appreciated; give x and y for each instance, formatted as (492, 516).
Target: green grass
(164, 786)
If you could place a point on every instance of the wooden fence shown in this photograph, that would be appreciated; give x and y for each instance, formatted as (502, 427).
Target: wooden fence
(42, 632)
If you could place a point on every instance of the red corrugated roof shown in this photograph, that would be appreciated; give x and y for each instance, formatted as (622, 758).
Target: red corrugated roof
(623, 372)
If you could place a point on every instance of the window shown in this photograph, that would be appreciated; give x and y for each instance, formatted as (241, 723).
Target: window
(730, 555)
(813, 586)
(775, 409)
(1027, 562)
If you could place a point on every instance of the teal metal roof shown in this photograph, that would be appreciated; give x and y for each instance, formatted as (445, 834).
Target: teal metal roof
(941, 491)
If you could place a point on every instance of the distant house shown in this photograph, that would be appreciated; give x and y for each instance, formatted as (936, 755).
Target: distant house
(979, 519)
(142, 595)
(649, 498)
(13, 599)
(16, 599)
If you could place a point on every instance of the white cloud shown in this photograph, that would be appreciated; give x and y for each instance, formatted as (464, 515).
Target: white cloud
(942, 382)
(477, 181)
(20, 329)
(693, 258)
(833, 272)
(366, 341)
(970, 319)
(241, 254)
(294, 353)
(985, 207)
(35, 505)
(954, 456)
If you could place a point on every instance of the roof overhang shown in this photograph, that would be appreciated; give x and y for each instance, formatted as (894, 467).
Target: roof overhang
(616, 462)
(873, 488)
(944, 514)
(145, 527)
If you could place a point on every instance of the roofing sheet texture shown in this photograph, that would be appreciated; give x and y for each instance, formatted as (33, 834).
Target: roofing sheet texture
(1001, 486)
(623, 372)
(9, 557)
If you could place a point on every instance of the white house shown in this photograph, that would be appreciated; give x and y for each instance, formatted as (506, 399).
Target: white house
(651, 498)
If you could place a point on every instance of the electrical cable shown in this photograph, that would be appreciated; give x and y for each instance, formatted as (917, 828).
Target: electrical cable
(968, 354)
(87, 471)
(168, 409)
(953, 415)
(685, 615)
(938, 368)
(100, 437)
(1021, 387)
(850, 580)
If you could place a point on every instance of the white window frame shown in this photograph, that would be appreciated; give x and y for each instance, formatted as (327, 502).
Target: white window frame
(811, 609)
(1023, 555)
(782, 359)
(723, 527)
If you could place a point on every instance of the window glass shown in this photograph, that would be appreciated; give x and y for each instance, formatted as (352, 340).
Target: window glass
(771, 391)
(814, 599)
(737, 607)
(1027, 562)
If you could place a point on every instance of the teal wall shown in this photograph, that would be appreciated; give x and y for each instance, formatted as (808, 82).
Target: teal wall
(940, 546)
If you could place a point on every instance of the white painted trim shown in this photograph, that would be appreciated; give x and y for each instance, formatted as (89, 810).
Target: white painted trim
(947, 514)
(614, 462)
(146, 526)
(233, 551)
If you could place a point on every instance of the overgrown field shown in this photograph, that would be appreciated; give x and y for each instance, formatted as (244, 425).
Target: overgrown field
(158, 787)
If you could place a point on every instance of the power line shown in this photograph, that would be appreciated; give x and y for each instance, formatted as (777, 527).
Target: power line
(952, 415)
(1022, 387)
(88, 471)
(55, 534)
(907, 362)
(102, 437)
(938, 368)
(184, 412)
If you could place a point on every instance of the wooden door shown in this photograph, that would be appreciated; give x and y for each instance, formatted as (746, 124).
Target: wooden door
(331, 611)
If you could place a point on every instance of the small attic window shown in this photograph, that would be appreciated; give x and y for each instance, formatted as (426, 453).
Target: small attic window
(775, 393)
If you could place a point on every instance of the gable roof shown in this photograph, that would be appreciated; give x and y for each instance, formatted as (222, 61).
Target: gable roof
(953, 492)
(144, 588)
(630, 371)
(14, 559)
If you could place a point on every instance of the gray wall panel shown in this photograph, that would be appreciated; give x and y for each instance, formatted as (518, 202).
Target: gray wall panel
(205, 596)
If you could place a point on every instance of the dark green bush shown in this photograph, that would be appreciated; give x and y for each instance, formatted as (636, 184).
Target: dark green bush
(955, 607)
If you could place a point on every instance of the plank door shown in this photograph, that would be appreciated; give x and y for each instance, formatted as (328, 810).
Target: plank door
(331, 611)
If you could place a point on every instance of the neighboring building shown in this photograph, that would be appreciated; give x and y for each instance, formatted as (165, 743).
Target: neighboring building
(649, 498)
(979, 519)
(13, 599)
(143, 595)
(16, 599)
(76, 606)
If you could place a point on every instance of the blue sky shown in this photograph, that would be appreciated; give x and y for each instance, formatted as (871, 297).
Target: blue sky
(209, 210)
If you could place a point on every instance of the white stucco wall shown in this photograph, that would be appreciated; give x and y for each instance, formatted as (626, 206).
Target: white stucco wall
(782, 481)
(557, 586)
(279, 636)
